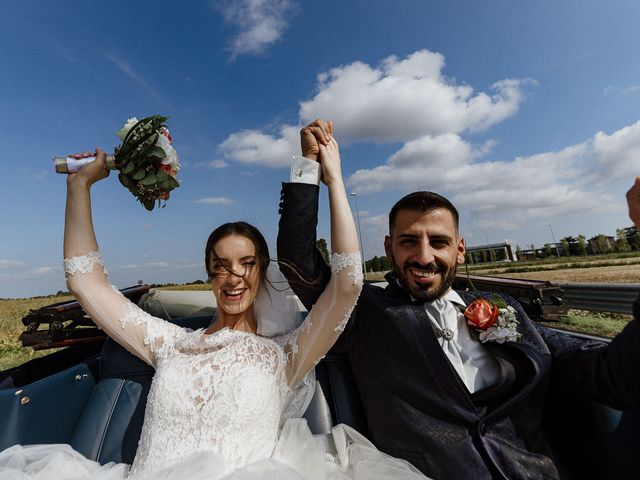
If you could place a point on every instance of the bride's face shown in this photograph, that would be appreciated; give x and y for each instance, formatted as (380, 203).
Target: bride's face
(235, 275)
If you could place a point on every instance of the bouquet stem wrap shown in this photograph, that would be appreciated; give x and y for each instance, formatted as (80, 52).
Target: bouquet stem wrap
(73, 165)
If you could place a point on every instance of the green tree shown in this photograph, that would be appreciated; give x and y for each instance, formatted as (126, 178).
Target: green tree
(582, 245)
(566, 247)
(633, 237)
(374, 264)
(321, 244)
(601, 244)
(622, 245)
(547, 250)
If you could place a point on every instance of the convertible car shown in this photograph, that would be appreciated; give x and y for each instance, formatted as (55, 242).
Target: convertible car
(91, 393)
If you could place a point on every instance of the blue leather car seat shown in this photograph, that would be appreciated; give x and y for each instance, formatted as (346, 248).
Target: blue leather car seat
(110, 423)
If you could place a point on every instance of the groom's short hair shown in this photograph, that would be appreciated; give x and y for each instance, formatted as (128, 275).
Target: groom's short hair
(422, 202)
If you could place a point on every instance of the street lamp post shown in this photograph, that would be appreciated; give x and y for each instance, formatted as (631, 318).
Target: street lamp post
(364, 265)
(554, 241)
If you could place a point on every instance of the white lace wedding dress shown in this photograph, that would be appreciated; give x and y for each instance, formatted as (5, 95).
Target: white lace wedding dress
(217, 404)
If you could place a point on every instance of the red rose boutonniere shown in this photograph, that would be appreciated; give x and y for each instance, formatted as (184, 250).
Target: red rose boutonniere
(492, 318)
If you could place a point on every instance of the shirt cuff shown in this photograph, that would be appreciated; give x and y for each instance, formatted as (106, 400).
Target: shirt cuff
(304, 170)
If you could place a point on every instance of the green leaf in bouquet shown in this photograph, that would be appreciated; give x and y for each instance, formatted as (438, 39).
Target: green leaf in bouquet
(144, 128)
(156, 151)
(150, 179)
(126, 181)
(148, 203)
(128, 168)
(164, 184)
(139, 133)
(139, 174)
(140, 152)
(173, 182)
(161, 175)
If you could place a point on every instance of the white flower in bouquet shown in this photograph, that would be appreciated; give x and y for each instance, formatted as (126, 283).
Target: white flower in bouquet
(165, 142)
(122, 133)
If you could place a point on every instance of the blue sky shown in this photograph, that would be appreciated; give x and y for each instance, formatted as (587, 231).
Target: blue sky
(525, 114)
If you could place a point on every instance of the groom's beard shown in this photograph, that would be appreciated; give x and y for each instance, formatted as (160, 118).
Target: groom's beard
(426, 293)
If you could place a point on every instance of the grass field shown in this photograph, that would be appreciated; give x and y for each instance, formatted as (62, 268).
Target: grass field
(598, 270)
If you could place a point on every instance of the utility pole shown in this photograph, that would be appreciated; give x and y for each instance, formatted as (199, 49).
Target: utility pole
(554, 241)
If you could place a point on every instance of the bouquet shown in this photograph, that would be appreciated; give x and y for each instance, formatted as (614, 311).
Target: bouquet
(146, 160)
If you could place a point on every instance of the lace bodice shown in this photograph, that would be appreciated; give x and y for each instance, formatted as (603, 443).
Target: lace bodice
(223, 392)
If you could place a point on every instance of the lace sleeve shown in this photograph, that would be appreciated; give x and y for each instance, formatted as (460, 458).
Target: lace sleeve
(142, 334)
(309, 343)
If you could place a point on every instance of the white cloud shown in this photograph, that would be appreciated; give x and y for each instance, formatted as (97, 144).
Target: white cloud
(400, 100)
(156, 265)
(255, 147)
(215, 201)
(550, 184)
(43, 270)
(260, 23)
(218, 164)
(403, 99)
(617, 154)
(411, 101)
(11, 264)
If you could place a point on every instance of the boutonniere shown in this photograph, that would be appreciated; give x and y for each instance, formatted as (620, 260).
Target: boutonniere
(494, 320)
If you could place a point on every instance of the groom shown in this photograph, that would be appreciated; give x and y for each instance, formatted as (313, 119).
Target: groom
(432, 393)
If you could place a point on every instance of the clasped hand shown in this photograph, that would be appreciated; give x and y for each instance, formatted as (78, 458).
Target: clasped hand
(317, 143)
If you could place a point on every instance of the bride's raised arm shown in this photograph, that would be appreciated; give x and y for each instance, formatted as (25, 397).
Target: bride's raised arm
(328, 317)
(140, 333)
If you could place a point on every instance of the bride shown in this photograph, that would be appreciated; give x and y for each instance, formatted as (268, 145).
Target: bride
(216, 405)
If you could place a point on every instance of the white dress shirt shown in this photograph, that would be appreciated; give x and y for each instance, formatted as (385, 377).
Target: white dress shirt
(475, 365)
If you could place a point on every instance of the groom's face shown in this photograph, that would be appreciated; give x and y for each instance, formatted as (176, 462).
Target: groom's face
(425, 250)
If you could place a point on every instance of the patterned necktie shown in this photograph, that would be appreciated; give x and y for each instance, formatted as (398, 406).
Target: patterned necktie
(444, 317)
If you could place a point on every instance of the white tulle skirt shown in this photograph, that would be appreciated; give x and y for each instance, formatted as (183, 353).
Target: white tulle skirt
(298, 455)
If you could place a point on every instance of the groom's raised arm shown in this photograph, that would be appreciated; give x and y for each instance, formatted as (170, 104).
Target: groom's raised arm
(300, 260)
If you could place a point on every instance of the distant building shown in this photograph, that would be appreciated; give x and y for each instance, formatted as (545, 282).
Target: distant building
(493, 252)
(601, 244)
(542, 252)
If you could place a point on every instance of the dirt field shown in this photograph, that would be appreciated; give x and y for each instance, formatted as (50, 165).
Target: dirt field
(621, 274)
